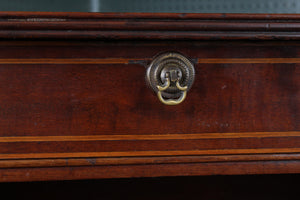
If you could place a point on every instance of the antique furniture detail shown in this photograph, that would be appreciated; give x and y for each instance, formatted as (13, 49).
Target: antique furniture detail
(80, 95)
(171, 75)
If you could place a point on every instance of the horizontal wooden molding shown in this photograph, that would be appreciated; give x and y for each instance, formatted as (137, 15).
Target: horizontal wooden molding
(148, 26)
(147, 35)
(130, 171)
(98, 161)
(142, 60)
(150, 137)
(149, 153)
(108, 15)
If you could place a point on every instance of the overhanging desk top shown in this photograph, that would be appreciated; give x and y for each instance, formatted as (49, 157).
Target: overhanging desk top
(74, 103)
(167, 26)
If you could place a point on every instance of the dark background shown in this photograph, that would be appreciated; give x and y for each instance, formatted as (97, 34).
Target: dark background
(243, 187)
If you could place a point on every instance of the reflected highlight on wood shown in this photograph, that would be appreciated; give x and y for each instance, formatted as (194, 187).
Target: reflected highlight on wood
(150, 137)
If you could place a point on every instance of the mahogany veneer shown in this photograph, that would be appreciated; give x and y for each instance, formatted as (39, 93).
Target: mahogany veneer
(80, 108)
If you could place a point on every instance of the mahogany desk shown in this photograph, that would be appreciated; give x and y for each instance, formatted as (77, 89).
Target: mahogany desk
(74, 103)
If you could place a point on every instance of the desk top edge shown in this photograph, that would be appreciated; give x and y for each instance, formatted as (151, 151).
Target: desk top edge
(148, 26)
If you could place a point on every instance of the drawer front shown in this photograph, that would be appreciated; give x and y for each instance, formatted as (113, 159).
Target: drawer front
(86, 105)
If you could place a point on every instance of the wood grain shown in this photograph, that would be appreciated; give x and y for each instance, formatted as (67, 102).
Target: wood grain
(71, 61)
(247, 60)
(149, 153)
(147, 26)
(49, 99)
(144, 60)
(126, 171)
(95, 161)
(77, 109)
(150, 25)
(145, 35)
(196, 16)
(55, 105)
(37, 51)
(150, 137)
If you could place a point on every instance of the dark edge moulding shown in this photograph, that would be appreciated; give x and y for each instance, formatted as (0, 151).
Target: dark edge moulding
(148, 26)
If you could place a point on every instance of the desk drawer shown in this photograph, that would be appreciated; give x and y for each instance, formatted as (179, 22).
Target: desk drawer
(82, 109)
(68, 100)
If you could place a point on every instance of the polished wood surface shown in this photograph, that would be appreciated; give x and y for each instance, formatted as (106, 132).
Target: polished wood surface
(141, 60)
(80, 109)
(148, 26)
(94, 161)
(76, 107)
(148, 170)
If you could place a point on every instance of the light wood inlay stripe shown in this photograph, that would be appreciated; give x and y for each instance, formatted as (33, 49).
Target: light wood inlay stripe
(150, 137)
(137, 60)
(248, 60)
(149, 153)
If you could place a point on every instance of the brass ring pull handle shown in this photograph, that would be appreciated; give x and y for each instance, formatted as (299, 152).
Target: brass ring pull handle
(169, 101)
(171, 75)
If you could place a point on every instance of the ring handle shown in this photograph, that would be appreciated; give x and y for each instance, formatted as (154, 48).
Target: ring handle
(171, 102)
(170, 75)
